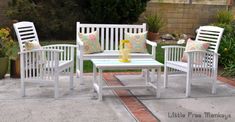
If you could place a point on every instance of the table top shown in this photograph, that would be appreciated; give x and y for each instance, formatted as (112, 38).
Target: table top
(135, 63)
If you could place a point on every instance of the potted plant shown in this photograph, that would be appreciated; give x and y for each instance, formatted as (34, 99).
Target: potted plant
(6, 50)
(154, 24)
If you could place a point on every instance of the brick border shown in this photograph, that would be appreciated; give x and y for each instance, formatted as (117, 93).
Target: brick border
(139, 111)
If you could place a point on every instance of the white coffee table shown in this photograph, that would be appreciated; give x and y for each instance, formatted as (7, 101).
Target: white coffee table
(115, 64)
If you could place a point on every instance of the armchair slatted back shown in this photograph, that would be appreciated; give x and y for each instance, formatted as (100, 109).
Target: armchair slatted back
(211, 34)
(110, 34)
(25, 31)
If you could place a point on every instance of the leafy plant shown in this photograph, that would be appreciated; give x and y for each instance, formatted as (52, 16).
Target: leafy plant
(7, 45)
(227, 45)
(55, 19)
(154, 22)
(227, 50)
(224, 17)
(113, 11)
(229, 70)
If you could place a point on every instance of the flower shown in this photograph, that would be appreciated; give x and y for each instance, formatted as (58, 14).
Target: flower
(6, 43)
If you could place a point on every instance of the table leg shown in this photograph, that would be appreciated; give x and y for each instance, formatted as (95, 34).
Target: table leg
(152, 75)
(100, 84)
(157, 83)
(147, 78)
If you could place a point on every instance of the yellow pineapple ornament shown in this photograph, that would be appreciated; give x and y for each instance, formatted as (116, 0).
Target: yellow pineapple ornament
(125, 47)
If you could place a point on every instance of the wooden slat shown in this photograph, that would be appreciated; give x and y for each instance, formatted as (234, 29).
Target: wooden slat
(107, 39)
(102, 38)
(116, 38)
(112, 39)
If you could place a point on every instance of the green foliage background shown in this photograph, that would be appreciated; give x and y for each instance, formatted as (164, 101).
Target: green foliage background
(56, 19)
(227, 45)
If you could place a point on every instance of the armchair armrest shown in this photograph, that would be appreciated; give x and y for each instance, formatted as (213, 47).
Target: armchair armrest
(40, 50)
(172, 46)
(67, 50)
(173, 52)
(205, 62)
(154, 45)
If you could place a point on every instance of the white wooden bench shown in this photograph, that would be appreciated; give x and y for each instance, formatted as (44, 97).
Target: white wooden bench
(109, 36)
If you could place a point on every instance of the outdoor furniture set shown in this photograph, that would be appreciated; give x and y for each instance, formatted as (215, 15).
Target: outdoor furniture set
(100, 44)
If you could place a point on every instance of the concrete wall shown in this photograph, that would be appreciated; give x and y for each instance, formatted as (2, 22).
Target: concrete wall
(183, 18)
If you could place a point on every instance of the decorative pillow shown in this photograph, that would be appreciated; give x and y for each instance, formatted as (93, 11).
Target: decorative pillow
(91, 42)
(138, 41)
(194, 46)
(32, 45)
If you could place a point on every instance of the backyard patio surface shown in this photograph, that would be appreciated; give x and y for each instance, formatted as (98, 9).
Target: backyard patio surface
(119, 105)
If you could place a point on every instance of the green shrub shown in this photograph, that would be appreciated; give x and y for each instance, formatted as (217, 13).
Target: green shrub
(227, 50)
(56, 19)
(224, 17)
(229, 70)
(113, 11)
(227, 44)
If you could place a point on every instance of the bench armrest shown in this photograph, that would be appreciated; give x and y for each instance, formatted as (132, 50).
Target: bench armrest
(153, 45)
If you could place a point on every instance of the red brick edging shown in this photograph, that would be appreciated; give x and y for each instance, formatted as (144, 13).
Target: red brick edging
(135, 106)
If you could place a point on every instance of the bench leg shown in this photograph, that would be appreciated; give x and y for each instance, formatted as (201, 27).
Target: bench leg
(81, 71)
(100, 83)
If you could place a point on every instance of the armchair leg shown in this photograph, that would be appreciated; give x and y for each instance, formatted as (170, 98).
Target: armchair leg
(22, 88)
(56, 85)
(188, 85)
(71, 78)
(214, 86)
(165, 76)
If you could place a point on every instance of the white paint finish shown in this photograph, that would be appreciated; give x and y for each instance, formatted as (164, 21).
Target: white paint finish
(109, 35)
(115, 64)
(201, 64)
(43, 65)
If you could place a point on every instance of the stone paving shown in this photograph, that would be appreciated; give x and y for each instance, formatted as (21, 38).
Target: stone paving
(81, 105)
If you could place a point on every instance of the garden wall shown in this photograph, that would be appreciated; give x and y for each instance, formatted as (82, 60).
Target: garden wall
(184, 18)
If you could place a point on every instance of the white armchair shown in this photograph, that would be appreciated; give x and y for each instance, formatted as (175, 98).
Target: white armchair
(209, 59)
(43, 65)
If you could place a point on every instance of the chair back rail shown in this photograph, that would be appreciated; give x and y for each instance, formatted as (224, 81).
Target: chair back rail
(110, 34)
(25, 31)
(211, 34)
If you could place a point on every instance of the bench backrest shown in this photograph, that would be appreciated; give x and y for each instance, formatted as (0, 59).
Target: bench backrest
(110, 34)
(211, 34)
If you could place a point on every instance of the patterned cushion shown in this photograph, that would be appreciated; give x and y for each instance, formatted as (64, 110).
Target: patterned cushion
(194, 46)
(91, 42)
(32, 45)
(138, 41)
